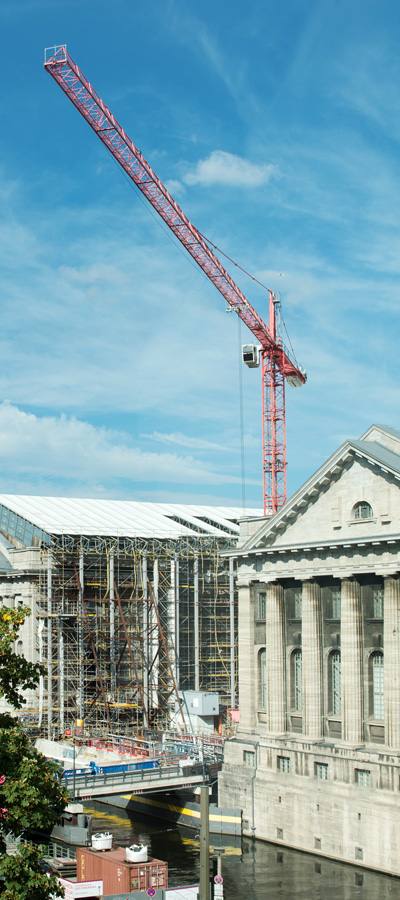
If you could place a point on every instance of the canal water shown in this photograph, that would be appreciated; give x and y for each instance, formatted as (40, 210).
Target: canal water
(252, 870)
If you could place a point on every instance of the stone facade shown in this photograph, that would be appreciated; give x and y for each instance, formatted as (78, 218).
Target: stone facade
(315, 763)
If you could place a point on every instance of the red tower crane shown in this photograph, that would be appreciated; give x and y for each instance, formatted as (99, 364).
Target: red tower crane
(277, 362)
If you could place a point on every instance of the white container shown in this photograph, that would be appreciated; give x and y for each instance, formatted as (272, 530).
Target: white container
(136, 853)
(102, 840)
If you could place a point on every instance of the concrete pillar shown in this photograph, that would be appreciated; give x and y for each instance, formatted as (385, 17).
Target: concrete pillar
(276, 659)
(391, 644)
(247, 669)
(351, 656)
(311, 640)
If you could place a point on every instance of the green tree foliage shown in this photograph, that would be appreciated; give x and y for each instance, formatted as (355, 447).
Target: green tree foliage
(16, 673)
(25, 880)
(31, 796)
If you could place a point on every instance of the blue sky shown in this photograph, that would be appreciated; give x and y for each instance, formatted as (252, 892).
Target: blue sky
(277, 129)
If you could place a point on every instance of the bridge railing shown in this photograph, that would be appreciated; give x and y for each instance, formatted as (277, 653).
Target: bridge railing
(87, 782)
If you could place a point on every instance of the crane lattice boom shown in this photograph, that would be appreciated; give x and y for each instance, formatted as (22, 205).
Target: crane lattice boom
(277, 361)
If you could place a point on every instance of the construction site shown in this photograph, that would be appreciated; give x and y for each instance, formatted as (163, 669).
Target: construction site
(132, 605)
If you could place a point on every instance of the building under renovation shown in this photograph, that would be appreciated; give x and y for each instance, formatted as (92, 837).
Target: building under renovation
(131, 603)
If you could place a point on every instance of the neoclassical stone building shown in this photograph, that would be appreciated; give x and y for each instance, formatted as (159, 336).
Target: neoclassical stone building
(316, 760)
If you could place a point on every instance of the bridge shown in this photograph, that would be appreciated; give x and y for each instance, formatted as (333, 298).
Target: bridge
(143, 781)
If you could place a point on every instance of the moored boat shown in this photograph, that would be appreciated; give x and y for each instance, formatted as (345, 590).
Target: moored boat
(75, 826)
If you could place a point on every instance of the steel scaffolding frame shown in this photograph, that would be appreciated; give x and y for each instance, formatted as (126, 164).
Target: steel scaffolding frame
(128, 621)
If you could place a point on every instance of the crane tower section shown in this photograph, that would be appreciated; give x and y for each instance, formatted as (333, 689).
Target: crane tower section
(278, 363)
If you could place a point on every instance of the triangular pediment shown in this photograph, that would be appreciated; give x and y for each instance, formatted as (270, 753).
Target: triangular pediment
(355, 495)
(382, 434)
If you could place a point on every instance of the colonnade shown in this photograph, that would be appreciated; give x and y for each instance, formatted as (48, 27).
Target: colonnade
(352, 661)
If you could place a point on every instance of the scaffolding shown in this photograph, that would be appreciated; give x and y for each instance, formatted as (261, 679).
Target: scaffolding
(126, 624)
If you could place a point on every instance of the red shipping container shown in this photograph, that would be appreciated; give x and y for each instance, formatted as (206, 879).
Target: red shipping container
(119, 875)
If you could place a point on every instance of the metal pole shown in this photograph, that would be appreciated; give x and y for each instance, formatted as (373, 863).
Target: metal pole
(61, 674)
(49, 650)
(196, 625)
(232, 630)
(204, 887)
(145, 634)
(154, 636)
(171, 625)
(73, 766)
(177, 620)
(112, 626)
(80, 638)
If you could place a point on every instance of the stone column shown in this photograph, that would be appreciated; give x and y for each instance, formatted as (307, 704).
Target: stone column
(247, 663)
(351, 656)
(311, 641)
(391, 644)
(276, 668)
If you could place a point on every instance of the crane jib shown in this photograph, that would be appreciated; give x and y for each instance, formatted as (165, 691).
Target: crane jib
(277, 362)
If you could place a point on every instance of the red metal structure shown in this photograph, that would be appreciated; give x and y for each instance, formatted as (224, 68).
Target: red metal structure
(277, 362)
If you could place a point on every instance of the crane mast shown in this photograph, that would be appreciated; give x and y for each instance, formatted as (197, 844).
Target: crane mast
(277, 362)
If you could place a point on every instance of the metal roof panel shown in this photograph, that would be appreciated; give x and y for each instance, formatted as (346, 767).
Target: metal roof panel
(130, 518)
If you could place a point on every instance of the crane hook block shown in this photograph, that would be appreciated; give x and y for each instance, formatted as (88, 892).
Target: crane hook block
(251, 355)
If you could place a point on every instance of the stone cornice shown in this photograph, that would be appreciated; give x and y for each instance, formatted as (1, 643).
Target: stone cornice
(335, 544)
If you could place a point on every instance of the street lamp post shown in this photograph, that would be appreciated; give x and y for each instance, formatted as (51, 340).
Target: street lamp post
(204, 887)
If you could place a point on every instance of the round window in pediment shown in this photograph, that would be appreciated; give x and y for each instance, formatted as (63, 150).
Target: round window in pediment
(362, 510)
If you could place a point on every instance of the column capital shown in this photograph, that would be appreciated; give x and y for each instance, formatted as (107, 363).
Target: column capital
(243, 582)
(267, 580)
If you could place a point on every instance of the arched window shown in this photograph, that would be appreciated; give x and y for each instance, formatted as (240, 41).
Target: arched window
(296, 677)
(362, 510)
(335, 681)
(262, 678)
(377, 686)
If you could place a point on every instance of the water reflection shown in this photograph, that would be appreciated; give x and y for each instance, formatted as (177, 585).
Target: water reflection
(253, 870)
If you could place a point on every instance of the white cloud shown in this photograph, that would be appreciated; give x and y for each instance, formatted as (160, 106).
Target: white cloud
(64, 448)
(176, 188)
(225, 168)
(183, 440)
